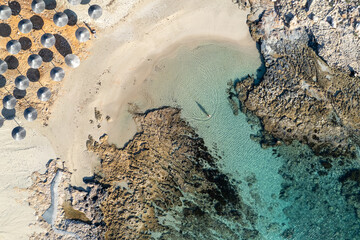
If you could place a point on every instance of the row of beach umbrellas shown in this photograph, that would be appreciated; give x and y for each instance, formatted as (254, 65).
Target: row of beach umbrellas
(38, 6)
(47, 40)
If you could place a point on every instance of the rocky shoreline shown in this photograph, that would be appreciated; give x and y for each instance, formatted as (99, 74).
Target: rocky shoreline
(162, 184)
(76, 214)
(311, 86)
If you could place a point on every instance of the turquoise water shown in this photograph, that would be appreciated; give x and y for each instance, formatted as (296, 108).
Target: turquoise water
(200, 75)
(195, 79)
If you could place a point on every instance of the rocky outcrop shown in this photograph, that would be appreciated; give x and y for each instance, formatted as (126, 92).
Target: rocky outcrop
(310, 91)
(64, 211)
(164, 184)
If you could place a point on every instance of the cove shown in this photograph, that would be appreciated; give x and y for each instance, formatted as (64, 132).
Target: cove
(195, 79)
(293, 194)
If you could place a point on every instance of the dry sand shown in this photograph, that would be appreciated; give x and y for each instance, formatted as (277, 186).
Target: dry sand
(122, 56)
(132, 36)
(17, 161)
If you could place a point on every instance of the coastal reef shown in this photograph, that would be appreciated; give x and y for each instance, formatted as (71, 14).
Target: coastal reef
(311, 89)
(321, 194)
(163, 184)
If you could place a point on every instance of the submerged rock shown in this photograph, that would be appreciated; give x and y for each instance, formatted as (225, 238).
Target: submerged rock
(164, 184)
(319, 206)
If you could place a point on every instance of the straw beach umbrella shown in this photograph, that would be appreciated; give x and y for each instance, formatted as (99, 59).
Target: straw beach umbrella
(35, 61)
(3, 66)
(82, 34)
(44, 94)
(9, 102)
(57, 74)
(13, 47)
(25, 26)
(5, 12)
(60, 19)
(38, 6)
(95, 11)
(72, 60)
(48, 40)
(2, 120)
(74, 2)
(22, 82)
(18, 133)
(30, 114)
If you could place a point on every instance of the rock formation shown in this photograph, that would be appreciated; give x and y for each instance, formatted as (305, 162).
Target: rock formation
(77, 214)
(310, 91)
(164, 184)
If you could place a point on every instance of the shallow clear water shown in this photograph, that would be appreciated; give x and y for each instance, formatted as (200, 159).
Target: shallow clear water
(199, 76)
(195, 79)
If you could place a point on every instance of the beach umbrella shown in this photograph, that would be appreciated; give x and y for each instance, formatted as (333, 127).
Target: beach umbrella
(60, 19)
(57, 74)
(22, 82)
(5, 12)
(9, 102)
(82, 34)
(13, 46)
(35, 61)
(2, 120)
(72, 60)
(25, 26)
(74, 2)
(48, 40)
(18, 133)
(38, 6)
(3, 66)
(44, 94)
(95, 11)
(30, 114)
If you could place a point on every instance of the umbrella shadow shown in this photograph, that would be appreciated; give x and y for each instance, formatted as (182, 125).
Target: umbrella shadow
(62, 45)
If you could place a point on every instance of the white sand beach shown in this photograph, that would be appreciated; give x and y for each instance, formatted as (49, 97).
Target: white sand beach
(123, 55)
(131, 37)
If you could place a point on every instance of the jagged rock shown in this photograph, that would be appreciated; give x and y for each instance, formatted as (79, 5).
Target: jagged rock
(164, 183)
(78, 211)
(301, 97)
